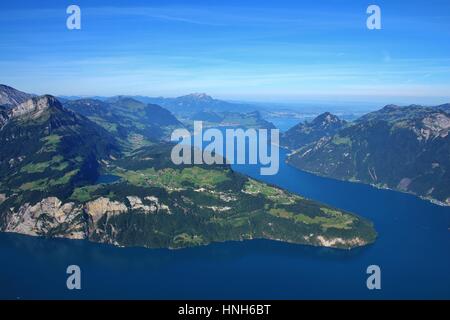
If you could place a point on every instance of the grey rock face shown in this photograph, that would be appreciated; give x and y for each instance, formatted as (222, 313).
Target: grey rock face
(12, 97)
(52, 218)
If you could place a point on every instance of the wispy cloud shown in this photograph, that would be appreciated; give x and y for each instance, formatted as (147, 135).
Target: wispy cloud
(239, 50)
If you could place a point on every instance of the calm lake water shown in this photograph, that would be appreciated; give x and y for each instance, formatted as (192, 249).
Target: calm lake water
(413, 251)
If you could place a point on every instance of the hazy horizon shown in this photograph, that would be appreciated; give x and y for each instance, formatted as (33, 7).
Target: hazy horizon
(288, 104)
(261, 52)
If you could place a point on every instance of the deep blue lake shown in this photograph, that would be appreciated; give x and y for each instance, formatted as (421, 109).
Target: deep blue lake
(413, 252)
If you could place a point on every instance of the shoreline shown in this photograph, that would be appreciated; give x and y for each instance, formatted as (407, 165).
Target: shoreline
(424, 198)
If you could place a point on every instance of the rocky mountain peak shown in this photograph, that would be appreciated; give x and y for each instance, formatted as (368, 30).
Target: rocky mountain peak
(199, 96)
(12, 97)
(325, 125)
(435, 125)
(326, 119)
(35, 106)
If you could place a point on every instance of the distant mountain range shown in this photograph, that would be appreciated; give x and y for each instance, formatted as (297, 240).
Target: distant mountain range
(53, 158)
(401, 148)
(185, 105)
(200, 107)
(198, 102)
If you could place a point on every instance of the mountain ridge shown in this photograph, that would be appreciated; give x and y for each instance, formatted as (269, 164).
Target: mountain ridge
(400, 148)
(46, 147)
(128, 118)
(51, 158)
(303, 133)
(11, 97)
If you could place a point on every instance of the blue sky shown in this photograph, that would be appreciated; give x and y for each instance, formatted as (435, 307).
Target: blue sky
(282, 51)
